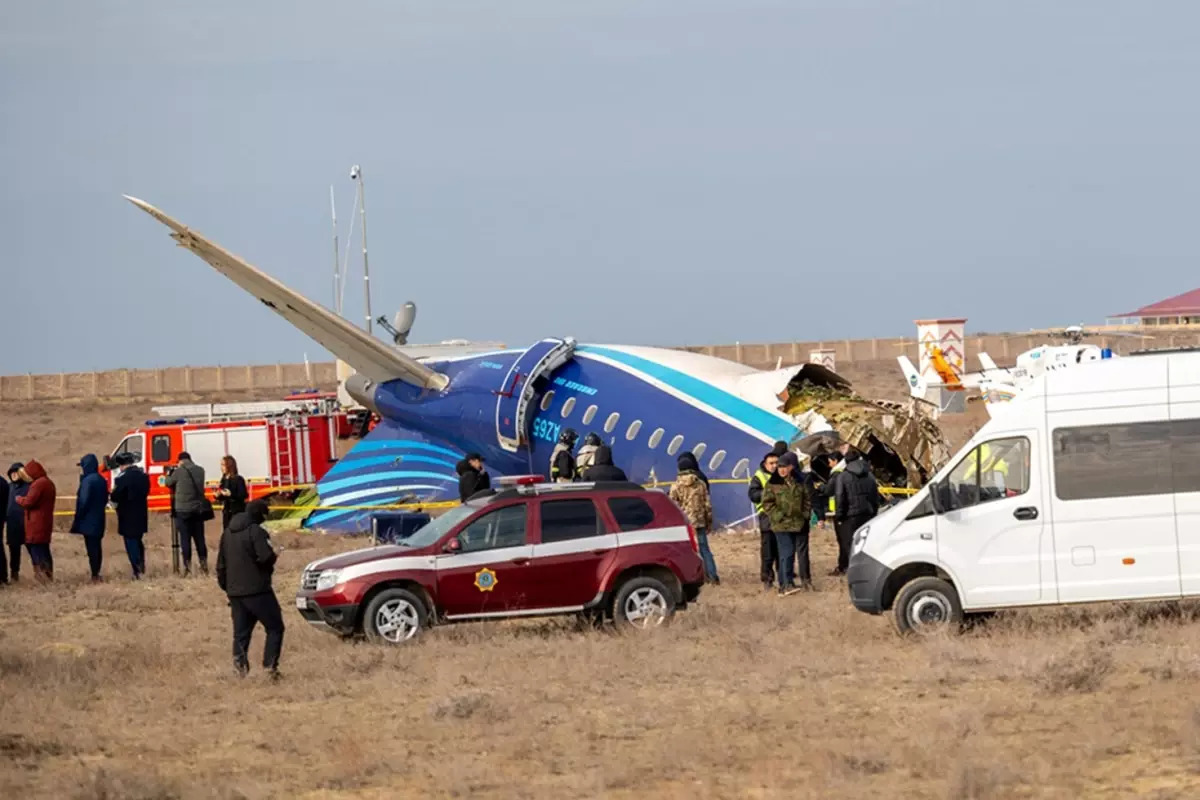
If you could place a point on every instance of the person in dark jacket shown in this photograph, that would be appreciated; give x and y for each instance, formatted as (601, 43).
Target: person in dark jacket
(232, 492)
(130, 494)
(855, 502)
(15, 521)
(786, 501)
(91, 505)
(472, 477)
(245, 564)
(603, 469)
(3, 523)
(186, 483)
(38, 505)
(768, 549)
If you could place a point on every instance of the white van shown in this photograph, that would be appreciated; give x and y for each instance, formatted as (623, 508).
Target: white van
(1085, 487)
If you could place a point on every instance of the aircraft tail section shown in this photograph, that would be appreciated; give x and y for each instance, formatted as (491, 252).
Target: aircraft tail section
(987, 363)
(370, 357)
(917, 386)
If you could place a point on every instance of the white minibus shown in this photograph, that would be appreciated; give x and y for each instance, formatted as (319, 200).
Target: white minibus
(1085, 487)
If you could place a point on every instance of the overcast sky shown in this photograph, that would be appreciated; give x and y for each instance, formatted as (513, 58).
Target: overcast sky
(630, 171)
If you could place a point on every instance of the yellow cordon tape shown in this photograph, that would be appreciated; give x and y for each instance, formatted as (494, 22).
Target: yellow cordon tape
(886, 490)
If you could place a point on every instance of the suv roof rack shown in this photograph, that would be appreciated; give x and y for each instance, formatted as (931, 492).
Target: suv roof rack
(538, 489)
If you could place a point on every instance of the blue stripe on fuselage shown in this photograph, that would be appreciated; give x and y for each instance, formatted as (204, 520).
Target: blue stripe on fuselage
(720, 400)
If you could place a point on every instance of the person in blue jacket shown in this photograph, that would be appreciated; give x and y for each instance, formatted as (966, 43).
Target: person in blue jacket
(91, 501)
(15, 521)
(130, 495)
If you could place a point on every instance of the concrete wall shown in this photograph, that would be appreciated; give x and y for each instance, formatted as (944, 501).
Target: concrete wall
(283, 378)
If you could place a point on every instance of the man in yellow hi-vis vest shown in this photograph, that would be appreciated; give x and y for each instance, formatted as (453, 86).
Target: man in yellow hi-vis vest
(992, 469)
(768, 552)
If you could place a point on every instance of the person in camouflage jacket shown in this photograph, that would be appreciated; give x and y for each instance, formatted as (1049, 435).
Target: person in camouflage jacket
(787, 503)
(690, 493)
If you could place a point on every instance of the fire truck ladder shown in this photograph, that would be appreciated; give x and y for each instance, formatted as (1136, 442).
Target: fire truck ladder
(281, 435)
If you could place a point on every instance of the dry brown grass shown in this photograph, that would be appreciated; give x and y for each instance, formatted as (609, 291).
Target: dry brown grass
(125, 690)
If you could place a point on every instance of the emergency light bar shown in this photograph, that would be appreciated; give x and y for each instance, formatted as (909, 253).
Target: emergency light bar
(520, 480)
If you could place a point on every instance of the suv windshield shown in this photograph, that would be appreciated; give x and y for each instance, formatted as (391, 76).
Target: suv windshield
(436, 528)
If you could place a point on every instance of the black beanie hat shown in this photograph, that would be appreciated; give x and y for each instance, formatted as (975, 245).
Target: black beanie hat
(779, 449)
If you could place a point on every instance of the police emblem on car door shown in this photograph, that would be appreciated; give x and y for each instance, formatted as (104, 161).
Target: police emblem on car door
(489, 573)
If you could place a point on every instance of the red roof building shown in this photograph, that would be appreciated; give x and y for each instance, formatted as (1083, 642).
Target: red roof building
(1183, 309)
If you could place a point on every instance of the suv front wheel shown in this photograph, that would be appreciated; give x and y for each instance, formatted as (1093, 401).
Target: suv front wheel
(643, 603)
(394, 616)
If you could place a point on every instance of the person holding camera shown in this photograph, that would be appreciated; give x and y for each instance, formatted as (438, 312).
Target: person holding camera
(189, 509)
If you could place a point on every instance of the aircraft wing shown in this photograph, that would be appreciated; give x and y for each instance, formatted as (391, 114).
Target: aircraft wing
(370, 357)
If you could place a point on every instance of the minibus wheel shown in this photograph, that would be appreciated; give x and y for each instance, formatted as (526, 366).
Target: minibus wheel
(927, 605)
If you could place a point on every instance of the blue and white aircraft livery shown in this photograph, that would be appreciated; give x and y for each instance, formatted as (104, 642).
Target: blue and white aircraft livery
(649, 404)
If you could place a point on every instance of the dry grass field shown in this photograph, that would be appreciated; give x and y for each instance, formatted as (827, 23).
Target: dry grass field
(125, 690)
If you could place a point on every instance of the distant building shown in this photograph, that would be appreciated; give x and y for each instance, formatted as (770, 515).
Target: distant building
(1183, 309)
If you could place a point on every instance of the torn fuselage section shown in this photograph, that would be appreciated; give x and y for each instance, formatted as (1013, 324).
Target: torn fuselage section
(903, 444)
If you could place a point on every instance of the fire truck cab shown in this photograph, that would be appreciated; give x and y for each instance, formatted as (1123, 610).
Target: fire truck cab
(280, 446)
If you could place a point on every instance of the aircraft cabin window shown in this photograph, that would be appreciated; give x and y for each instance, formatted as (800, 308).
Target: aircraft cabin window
(547, 399)
(568, 407)
(741, 469)
(992, 471)
(610, 424)
(717, 458)
(589, 415)
(504, 527)
(698, 450)
(655, 438)
(674, 446)
(634, 427)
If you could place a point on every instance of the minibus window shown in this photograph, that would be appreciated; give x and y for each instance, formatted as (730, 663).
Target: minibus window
(992, 471)
(1125, 460)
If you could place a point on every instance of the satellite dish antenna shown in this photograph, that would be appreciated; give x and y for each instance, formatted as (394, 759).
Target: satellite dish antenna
(401, 323)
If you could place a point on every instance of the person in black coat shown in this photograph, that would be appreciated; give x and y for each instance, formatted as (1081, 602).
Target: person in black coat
(14, 521)
(3, 520)
(855, 502)
(232, 492)
(131, 495)
(472, 477)
(603, 469)
(245, 564)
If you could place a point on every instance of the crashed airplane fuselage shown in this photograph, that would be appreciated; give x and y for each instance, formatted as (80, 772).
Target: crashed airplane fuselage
(650, 404)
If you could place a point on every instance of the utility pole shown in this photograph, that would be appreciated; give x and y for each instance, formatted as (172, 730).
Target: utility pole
(356, 175)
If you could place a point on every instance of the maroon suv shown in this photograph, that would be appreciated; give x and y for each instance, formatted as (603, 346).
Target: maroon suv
(611, 549)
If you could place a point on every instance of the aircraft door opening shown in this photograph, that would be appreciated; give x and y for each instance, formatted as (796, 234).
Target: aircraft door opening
(518, 389)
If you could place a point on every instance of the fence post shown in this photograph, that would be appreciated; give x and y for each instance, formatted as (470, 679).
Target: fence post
(29, 385)
(129, 383)
(159, 381)
(249, 377)
(62, 385)
(278, 375)
(187, 379)
(737, 352)
(874, 349)
(220, 379)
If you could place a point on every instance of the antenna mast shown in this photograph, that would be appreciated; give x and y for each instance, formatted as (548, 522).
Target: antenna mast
(337, 269)
(356, 175)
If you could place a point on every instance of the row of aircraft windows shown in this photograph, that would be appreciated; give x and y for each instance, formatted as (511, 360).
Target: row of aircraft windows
(740, 470)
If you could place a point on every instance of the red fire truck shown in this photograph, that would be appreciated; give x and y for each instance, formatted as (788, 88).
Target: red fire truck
(280, 446)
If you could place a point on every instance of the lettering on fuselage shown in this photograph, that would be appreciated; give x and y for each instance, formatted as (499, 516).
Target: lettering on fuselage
(490, 365)
(546, 430)
(578, 387)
